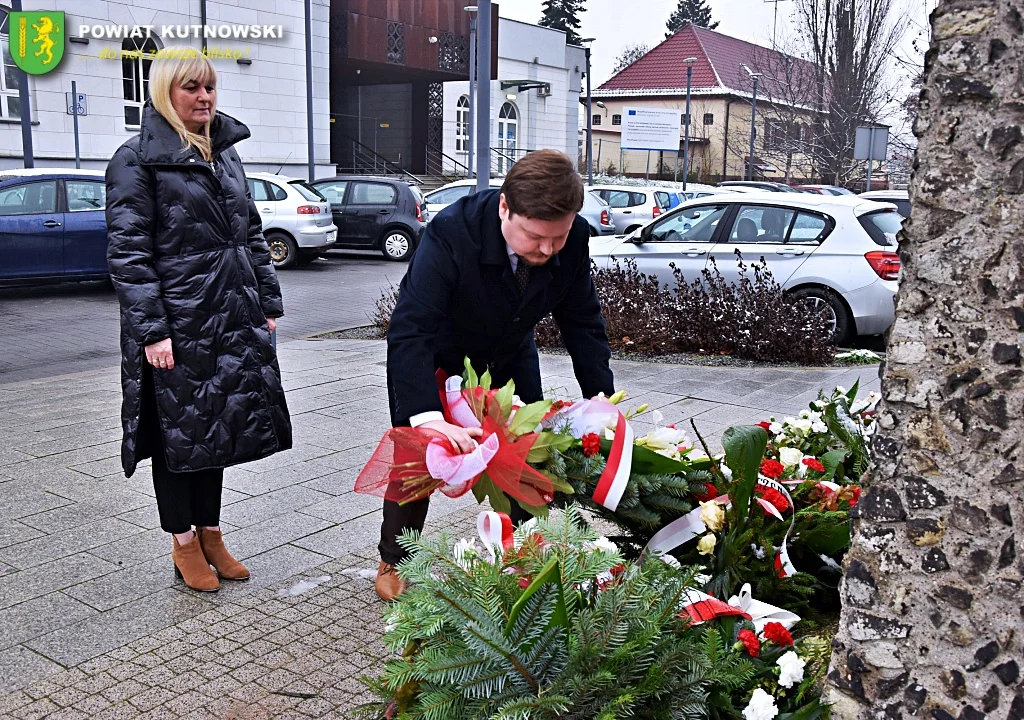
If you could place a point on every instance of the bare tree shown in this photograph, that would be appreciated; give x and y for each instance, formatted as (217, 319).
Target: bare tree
(629, 55)
(851, 43)
(933, 594)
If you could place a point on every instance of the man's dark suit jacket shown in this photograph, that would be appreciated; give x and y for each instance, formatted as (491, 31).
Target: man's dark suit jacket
(459, 299)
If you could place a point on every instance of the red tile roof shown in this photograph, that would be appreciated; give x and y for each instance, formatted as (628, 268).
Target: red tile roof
(718, 66)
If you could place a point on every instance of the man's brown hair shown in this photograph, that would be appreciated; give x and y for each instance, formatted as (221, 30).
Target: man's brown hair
(543, 185)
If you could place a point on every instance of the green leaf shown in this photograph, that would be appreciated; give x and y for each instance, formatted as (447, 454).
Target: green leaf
(469, 378)
(559, 484)
(852, 394)
(811, 711)
(540, 511)
(550, 573)
(832, 460)
(485, 488)
(827, 539)
(545, 443)
(504, 398)
(744, 449)
(528, 418)
(648, 462)
(485, 380)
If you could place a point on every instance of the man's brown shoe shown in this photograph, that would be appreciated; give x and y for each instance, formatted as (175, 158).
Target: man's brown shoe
(388, 585)
(191, 566)
(212, 542)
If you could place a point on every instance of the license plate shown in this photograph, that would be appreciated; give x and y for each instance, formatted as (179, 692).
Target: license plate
(331, 234)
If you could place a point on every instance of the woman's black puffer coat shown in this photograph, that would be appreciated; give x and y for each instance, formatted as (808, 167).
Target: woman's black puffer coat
(189, 262)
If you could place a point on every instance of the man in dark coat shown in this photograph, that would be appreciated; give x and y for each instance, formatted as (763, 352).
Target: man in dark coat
(487, 270)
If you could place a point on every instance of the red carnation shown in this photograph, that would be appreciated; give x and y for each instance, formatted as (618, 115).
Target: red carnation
(777, 499)
(814, 464)
(778, 634)
(591, 444)
(750, 642)
(559, 405)
(766, 425)
(855, 489)
(709, 494)
(772, 468)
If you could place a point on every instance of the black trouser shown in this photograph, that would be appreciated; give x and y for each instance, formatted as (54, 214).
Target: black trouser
(183, 499)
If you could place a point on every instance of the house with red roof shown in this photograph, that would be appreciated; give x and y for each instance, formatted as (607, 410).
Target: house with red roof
(721, 90)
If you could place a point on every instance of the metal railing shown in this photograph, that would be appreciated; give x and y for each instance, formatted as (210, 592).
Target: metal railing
(440, 164)
(366, 161)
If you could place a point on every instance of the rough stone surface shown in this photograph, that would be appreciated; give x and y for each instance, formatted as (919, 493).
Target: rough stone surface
(937, 533)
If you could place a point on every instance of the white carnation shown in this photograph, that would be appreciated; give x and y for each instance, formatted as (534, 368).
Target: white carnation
(603, 544)
(791, 669)
(761, 706)
(465, 552)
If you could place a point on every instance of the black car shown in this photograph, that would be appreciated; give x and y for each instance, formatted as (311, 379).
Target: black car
(375, 213)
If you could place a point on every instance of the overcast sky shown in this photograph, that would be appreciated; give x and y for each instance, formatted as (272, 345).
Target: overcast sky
(618, 23)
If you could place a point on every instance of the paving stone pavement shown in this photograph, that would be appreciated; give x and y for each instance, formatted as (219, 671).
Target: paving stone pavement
(92, 622)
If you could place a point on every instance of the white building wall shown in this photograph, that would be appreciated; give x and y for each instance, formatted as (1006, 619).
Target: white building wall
(269, 95)
(528, 52)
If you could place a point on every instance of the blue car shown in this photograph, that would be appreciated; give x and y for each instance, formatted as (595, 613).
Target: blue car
(52, 226)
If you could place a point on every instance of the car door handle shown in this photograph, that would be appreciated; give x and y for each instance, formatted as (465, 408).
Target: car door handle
(789, 251)
(627, 212)
(266, 210)
(694, 252)
(51, 224)
(383, 212)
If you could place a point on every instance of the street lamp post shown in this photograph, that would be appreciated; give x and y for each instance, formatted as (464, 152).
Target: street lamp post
(482, 136)
(471, 9)
(590, 117)
(753, 121)
(686, 129)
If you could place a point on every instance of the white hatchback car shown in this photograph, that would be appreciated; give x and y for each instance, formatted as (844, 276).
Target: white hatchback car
(634, 205)
(438, 200)
(297, 220)
(836, 253)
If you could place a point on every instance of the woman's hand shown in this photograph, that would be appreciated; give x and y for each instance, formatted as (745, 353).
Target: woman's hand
(462, 438)
(272, 324)
(159, 355)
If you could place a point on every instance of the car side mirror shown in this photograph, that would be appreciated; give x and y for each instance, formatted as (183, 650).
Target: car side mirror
(637, 237)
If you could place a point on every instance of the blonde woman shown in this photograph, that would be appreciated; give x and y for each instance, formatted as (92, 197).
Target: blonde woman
(199, 298)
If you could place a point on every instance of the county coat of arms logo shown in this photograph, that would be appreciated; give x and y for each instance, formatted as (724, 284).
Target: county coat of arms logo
(37, 40)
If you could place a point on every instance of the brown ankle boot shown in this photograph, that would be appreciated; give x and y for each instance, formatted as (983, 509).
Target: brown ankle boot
(212, 542)
(388, 585)
(190, 565)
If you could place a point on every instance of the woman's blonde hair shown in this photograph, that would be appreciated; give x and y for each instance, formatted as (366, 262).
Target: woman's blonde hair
(178, 65)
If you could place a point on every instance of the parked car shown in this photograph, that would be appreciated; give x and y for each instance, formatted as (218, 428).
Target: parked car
(768, 185)
(697, 190)
(52, 226)
(899, 198)
(438, 200)
(296, 218)
(633, 206)
(597, 213)
(836, 253)
(825, 189)
(375, 213)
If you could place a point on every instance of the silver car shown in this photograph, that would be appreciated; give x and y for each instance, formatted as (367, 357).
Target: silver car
(297, 220)
(633, 206)
(597, 213)
(438, 200)
(836, 253)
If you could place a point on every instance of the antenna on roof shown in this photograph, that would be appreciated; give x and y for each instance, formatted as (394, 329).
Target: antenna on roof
(775, 30)
(284, 163)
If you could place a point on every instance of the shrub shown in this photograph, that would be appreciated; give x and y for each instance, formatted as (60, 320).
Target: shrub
(380, 318)
(752, 319)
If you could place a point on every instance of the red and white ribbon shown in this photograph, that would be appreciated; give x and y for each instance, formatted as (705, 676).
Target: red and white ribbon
(495, 531)
(761, 613)
(456, 468)
(701, 607)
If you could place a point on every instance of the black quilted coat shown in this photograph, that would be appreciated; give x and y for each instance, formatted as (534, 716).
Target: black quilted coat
(187, 256)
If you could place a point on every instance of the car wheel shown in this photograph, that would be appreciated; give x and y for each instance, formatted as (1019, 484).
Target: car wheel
(838, 317)
(396, 245)
(283, 251)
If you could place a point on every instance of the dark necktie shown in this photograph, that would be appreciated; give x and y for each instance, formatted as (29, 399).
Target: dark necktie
(522, 274)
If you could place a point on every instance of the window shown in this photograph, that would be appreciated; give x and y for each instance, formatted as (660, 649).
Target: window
(694, 224)
(617, 198)
(85, 195)
(306, 191)
(258, 190)
(663, 199)
(709, 118)
(449, 195)
(616, 119)
(808, 229)
(364, 193)
(276, 192)
(10, 102)
(333, 191)
(29, 199)
(596, 120)
(882, 226)
(135, 66)
(462, 125)
(684, 119)
(760, 224)
(775, 135)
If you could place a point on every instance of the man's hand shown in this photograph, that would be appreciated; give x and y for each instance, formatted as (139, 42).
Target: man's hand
(462, 438)
(272, 324)
(159, 355)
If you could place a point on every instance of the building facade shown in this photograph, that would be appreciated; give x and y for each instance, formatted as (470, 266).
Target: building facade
(721, 91)
(261, 81)
(540, 111)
